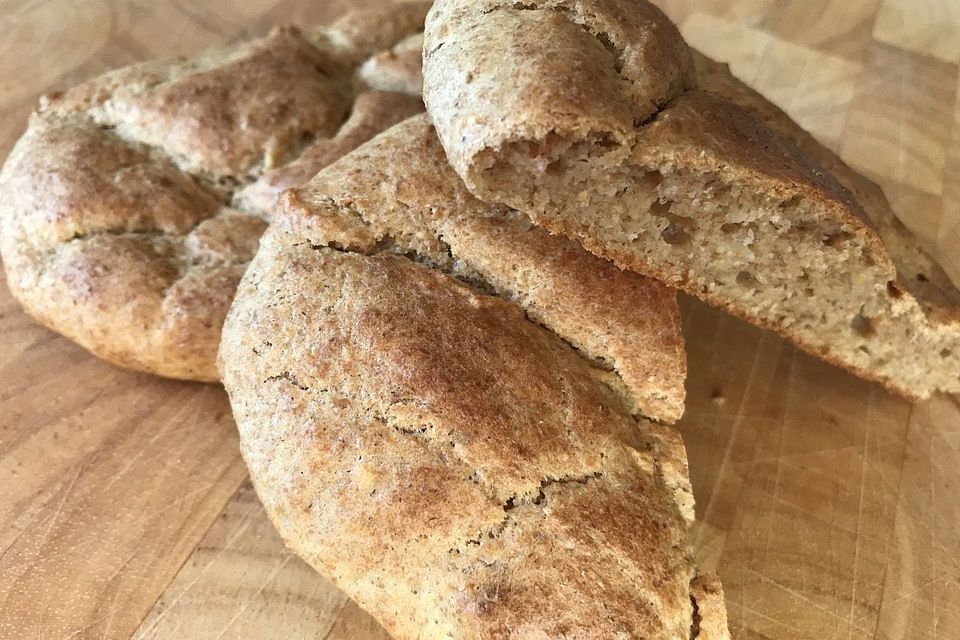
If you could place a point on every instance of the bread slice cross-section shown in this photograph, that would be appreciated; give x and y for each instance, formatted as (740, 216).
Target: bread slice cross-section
(592, 124)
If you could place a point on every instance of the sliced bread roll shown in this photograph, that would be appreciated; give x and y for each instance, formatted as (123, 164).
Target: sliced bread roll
(585, 116)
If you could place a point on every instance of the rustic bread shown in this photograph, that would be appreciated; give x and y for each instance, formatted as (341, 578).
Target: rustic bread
(457, 469)
(133, 202)
(398, 192)
(593, 129)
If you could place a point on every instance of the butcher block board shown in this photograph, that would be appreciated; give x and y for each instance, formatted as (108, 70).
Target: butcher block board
(830, 509)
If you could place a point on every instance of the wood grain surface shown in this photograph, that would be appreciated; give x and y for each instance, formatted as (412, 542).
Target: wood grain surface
(830, 509)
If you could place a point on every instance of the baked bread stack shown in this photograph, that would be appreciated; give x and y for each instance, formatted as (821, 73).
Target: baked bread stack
(586, 117)
(138, 199)
(439, 404)
(453, 401)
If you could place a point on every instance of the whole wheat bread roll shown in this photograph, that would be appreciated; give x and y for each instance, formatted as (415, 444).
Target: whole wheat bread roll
(134, 201)
(585, 115)
(457, 469)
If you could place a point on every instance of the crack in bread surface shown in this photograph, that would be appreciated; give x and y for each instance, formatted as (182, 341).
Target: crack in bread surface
(398, 193)
(482, 473)
(571, 14)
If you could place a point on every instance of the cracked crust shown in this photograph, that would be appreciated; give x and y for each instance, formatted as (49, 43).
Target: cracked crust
(455, 468)
(719, 194)
(710, 617)
(607, 65)
(134, 201)
(399, 190)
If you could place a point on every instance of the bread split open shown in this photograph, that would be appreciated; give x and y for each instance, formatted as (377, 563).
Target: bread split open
(598, 132)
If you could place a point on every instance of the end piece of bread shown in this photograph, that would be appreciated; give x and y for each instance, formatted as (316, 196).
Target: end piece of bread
(398, 192)
(454, 467)
(702, 194)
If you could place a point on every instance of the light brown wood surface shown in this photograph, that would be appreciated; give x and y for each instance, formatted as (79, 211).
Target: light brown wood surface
(830, 509)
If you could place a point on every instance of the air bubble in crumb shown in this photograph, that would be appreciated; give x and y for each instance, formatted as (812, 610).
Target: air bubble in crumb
(674, 235)
(746, 279)
(863, 326)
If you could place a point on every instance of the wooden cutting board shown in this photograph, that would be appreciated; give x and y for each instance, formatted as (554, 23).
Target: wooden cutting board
(830, 509)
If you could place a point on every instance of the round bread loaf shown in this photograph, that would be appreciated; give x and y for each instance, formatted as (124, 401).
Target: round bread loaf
(133, 202)
(438, 403)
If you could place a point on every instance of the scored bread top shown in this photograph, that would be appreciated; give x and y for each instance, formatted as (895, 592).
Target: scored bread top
(398, 192)
(225, 112)
(455, 468)
(134, 201)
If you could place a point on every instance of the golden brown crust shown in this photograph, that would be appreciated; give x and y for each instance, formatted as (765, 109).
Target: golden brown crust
(122, 227)
(398, 189)
(360, 34)
(275, 90)
(498, 71)
(455, 468)
(114, 247)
